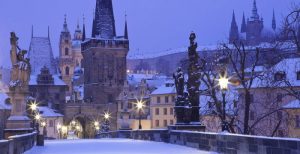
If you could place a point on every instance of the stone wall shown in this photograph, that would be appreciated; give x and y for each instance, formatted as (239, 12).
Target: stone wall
(217, 142)
(17, 144)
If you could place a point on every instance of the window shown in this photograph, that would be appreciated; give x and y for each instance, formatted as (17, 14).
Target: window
(66, 41)
(129, 105)
(122, 105)
(158, 99)
(173, 98)
(166, 99)
(251, 115)
(165, 111)
(165, 123)
(171, 122)
(171, 111)
(279, 97)
(50, 123)
(67, 70)
(298, 75)
(279, 76)
(157, 123)
(66, 51)
(297, 121)
(156, 111)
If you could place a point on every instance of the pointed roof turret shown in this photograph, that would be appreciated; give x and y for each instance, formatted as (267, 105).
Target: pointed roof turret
(104, 22)
(126, 30)
(83, 29)
(254, 15)
(32, 31)
(48, 32)
(65, 28)
(244, 26)
(234, 32)
(273, 21)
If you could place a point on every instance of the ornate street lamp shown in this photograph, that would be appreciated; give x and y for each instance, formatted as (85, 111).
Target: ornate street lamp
(139, 106)
(223, 83)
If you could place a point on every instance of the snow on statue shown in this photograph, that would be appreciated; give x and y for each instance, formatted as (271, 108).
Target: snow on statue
(20, 64)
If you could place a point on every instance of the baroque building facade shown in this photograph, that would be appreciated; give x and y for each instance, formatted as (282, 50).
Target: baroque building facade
(70, 56)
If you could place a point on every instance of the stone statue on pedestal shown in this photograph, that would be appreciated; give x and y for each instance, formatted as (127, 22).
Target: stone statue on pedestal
(18, 122)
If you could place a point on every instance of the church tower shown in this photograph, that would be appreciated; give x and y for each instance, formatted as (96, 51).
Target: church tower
(104, 61)
(234, 30)
(255, 26)
(66, 64)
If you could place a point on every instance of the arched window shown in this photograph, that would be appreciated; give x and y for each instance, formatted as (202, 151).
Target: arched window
(279, 76)
(67, 70)
(298, 75)
(66, 51)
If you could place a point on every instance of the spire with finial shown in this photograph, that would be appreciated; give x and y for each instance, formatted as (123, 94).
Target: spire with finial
(83, 29)
(32, 31)
(65, 24)
(255, 15)
(234, 31)
(104, 23)
(126, 30)
(48, 32)
(244, 26)
(273, 21)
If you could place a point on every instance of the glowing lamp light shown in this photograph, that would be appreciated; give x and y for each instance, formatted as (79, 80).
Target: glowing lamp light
(97, 128)
(64, 129)
(33, 106)
(96, 123)
(37, 117)
(43, 124)
(73, 122)
(106, 115)
(139, 105)
(223, 83)
(77, 128)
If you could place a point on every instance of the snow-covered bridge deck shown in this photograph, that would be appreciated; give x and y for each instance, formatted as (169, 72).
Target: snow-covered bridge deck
(111, 146)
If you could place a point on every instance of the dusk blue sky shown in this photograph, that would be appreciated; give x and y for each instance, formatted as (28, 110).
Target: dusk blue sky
(154, 25)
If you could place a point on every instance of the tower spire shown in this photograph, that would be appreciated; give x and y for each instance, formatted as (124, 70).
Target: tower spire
(48, 32)
(83, 29)
(32, 31)
(126, 30)
(65, 29)
(104, 26)
(234, 32)
(244, 26)
(273, 21)
(255, 15)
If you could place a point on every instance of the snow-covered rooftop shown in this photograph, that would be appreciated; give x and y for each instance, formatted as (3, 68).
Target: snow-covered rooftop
(164, 89)
(48, 112)
(152, 80)
(57, 80)
(289, 67)
(40, 54)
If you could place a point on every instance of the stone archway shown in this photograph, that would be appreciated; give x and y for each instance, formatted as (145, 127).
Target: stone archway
(80, 126)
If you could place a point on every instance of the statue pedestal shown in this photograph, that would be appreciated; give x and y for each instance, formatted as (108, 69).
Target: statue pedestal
(18, 122)
(189, 127)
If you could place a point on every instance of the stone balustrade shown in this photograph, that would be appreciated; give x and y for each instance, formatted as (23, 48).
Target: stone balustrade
(216, 142)
(17, 144)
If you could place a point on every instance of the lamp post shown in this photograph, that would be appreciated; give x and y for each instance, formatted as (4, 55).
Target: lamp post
(140, 106)
(43, 124)
(106, 121)
(223, 83)
(97, 128)
(33, 108)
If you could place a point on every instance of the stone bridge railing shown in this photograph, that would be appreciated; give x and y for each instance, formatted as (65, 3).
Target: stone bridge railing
(17, 144)
(216, 142)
